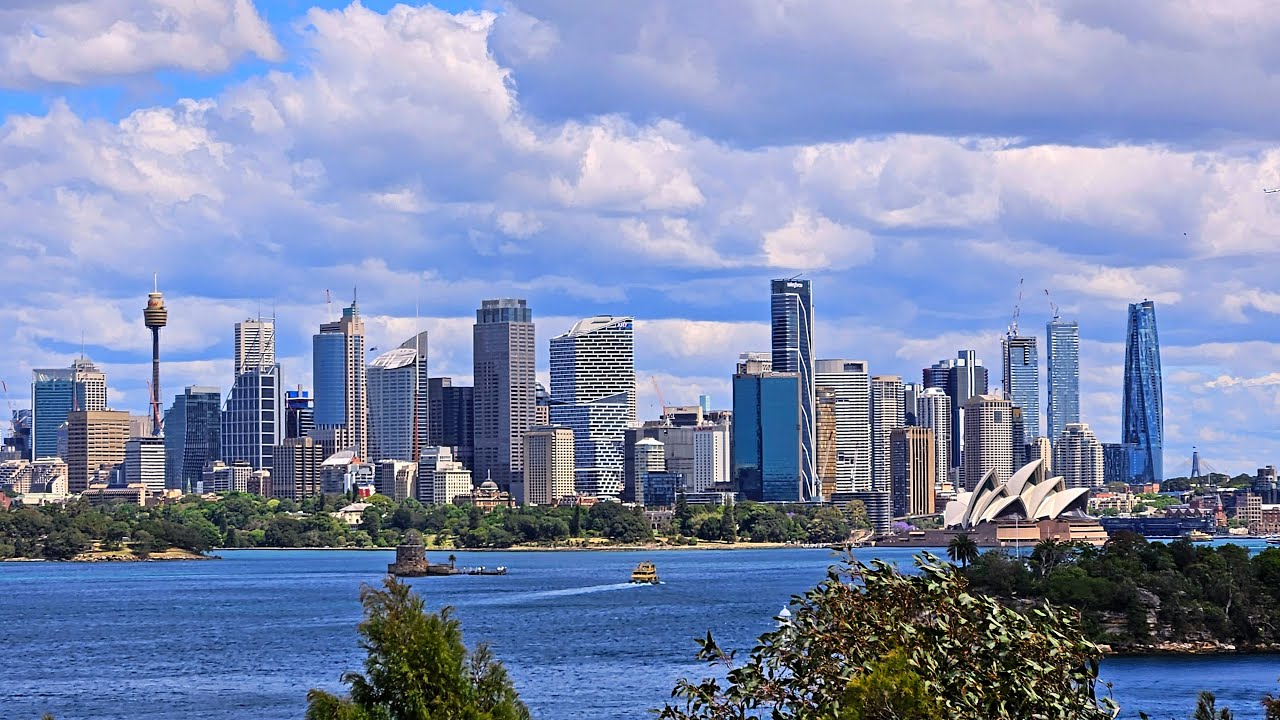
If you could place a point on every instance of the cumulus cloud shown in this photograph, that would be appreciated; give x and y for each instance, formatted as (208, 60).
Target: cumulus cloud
(810, 241)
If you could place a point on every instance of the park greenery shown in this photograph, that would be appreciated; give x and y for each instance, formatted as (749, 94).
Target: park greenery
(62, 532)
(1132, 593)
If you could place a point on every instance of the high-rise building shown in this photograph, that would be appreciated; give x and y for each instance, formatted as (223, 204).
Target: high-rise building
(339, 377)
(710, 456)
(296, 468)
(56, 392)
(251, 417)
(966, 377)
(441, 478)
(649, 456)
(144, 463)
(1062, 350)
(299, 413)
(825, 427)
(399, 404)
(452, 419)
(913, 467)
(988, 443)
(1077, 457)
(754, 362)
(851, 383)
(192, 436)
(548, 465)
(1143, 396)
(593, 393)
(767, 447)
(887, 414)
(933, 410)
(1021, 366)
(95, 439)
(1115, 463)
(791, 324)
(155, 316)
(1041, 449)
(396, 479)
(1266, 485)
(503, 372)
(541, 405)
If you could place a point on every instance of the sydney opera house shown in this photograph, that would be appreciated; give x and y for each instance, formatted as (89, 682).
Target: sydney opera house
(1027, 508)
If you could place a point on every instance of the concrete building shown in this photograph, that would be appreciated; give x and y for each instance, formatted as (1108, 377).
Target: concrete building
(593, 393)
(710, 457)
(1266, 486)
(1041, 449)
(503, 371)
(94, 438)
(15, 477)
(144, 459)
(961, 378)
(933, 411)
(295, 473)
(56, 392)
(914, 462)
(754, 363)
(452, 418)
(648, 456)
(441, 478)
(791, 328)
(850, 381)
(49, 475)
(988, 443)
(219, 477)
(155, 316)
(397, 479)
(887, 414)
(342, 472)
(399, 404)
(192, 436)
(1077, 457)
(549, 465)
(252, 415)
(1062, 349)
(340, 380)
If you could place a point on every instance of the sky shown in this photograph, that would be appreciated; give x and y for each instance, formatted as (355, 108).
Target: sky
(920, 161)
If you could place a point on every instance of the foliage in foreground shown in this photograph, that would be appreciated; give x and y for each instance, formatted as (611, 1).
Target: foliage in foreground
(417, 668)
(871, 643)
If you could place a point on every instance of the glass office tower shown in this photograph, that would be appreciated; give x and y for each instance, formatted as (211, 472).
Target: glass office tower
(791, 320)
(767, 453)
(1062, 349)
(1143, 396)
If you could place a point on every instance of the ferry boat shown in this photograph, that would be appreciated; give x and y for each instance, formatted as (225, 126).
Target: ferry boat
(482, 570)
(1199, 536)
(1273, 540)
(646, 573)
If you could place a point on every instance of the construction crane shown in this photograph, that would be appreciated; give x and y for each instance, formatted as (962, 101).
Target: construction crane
(1017, 311)
(662, 404)
(1052, 305)
(13, 413)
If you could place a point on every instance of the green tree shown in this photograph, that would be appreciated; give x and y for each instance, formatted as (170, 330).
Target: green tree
(64, 544)
(868, 629)
(575, 524)
(962, 549)
(417, 668)
(729, 524)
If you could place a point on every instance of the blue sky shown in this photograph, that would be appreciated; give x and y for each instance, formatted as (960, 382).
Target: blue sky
(661, 159)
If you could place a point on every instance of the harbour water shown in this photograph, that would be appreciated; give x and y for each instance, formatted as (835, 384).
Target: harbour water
(246, 636)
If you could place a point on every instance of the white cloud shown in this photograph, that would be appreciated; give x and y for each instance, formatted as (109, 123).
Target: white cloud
(812, 242)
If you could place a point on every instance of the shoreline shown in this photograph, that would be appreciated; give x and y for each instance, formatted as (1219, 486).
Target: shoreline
(561, 548)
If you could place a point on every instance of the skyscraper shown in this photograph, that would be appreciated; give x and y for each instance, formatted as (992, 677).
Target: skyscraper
(887, 414)
(192, 436)
(1077, 457)
(95, 438)
(1062, 350)
(933, 410)
(851, 383)
(251, 418)
(299, 414)
(825, 427)
(966, 377)
(452, 420)
(548, 466)
(503, 370)
(1021, 379)
(593, 393)
(56, 392)
(767, 447)
(1143, 433)
(791, 323)
(339, 376)
(144, 463)
(296, 473)
(913, 463)
(399, 402)
(988, 439)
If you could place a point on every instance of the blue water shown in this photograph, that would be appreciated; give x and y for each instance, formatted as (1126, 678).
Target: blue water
(246, 636)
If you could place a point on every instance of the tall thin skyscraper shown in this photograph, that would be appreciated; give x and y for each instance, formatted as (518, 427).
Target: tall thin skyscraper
(1021, 366)
(887, 415)
(933, 410)
(56, 392)
(255, 344)
(850, 380)
(791, 323)
(399, 404)
(452, 421)
(503, 400)
(1143, 396)
(339, 375)
(593, 393)
(1063, 352)
(251, 418)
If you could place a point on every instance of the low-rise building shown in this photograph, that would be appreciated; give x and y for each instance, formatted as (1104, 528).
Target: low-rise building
(104, 494)
(352, 514)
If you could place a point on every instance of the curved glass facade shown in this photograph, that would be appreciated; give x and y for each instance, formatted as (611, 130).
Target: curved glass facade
(791, 322)
(1143, 396)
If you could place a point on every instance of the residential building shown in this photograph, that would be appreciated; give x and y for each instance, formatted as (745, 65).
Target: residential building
(593, 393)
(340, 381)
(548, 465)
(1062, 350)
(933, 411)
(1077, 457)
(850, 381)
(251, 417)
(295, 473)
(192, 436)
(767, 445)
(95, 438)
(219, 477)
(15, 476)
(452, 421)
(441, 478)
(1143, 396)
(503, 372)
(144, 462)
(791, 325)
(399, 405)
(887, 414)
(55, 393)
(1041, 449)
(49, 475)
(913, 470)
(988, 444)
(1265, 485)
(1021, 366)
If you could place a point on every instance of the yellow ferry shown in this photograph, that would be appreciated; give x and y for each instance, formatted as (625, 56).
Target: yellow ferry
(646, 573)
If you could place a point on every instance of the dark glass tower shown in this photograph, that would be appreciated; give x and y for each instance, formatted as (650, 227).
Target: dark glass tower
(192, 436)
(791, 320)
(766, 463)
(1021, 368)
(1063, 352)
(1143, 396)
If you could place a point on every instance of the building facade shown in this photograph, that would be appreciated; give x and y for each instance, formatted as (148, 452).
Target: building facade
(1143, 433)
(340, 380)
(503, 357)
(192, 436)
(1077, 457)
(441, 478)
(767, 444)
(850, 381)
(549, 465)
(296, 468)
(95, 440)
(913, 464)
(933, 411)
(888, 413)
(710, 457)
(251, 417)
(791, 328)
(144, 462)
(1021, 377)
(452, 419)
(55, 392)
(1062, 350)
(988, 444)
(399, 405)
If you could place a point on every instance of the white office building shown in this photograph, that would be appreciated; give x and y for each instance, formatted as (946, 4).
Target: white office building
(548, 464)
(933, 410)
(850, 382)
(887, 414)
(441, 478)
(397, 386)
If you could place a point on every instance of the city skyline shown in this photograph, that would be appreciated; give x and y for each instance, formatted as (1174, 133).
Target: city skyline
(916, 254)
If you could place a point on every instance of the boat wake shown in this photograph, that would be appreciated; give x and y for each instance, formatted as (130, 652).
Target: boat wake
(516, 598)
